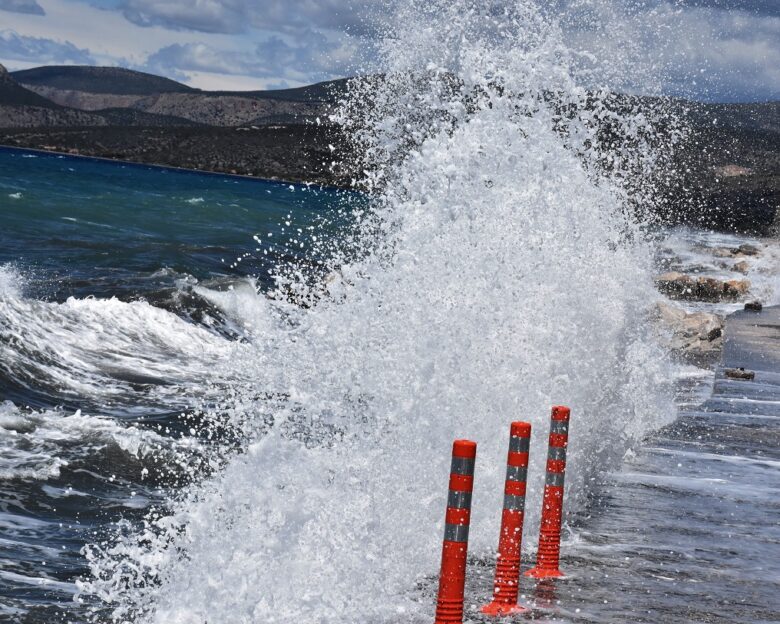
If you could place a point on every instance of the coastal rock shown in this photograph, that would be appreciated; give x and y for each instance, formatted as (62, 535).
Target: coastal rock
(696, 333)
(681, 286)
(740, 373)
(731, 252)
(737, 288)
(747, 250)
(732, 171)
(721, 252)
(741, 267)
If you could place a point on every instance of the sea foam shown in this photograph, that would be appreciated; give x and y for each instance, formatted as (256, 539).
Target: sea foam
(496, 272)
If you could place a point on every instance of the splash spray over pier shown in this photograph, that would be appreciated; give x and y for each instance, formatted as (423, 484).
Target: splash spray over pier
(496, 249)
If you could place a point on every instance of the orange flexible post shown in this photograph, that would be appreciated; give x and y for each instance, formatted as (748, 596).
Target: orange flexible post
(452, 580)
(548, 554)
(507, 580)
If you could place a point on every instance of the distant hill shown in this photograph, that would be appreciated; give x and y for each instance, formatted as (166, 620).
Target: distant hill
(114, 80)
(131, 117)
(96, 89)
(13, 94)
(325, 92)
(121, 81)
(726, 173)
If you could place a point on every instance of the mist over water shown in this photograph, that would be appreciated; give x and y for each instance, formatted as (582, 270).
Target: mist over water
(497, 271)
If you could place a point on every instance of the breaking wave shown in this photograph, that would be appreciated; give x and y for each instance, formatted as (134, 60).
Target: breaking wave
(498, 270)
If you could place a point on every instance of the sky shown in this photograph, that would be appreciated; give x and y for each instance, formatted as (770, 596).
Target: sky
(716, 50)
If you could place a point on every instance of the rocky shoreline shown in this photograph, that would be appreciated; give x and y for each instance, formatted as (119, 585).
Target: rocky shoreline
(290, 153)
(703, 290)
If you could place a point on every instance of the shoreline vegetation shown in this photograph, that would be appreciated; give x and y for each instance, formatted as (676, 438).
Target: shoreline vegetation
(728, 169)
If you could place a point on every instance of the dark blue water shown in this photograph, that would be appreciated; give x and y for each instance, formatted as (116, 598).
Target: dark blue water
(100, 270)
(109, 330)
(79, 226)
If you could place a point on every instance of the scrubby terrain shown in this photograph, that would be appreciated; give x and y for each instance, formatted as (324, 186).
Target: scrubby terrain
(726, 172)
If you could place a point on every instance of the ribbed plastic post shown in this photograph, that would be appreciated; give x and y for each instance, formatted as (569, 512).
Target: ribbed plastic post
(510, 538)
(548, 554)
(452, 580)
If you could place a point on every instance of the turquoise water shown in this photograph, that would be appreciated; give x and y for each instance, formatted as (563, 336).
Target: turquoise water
(105, 339)
(79, 226)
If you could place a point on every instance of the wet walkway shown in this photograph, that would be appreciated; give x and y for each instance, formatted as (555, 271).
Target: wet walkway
(689, 530)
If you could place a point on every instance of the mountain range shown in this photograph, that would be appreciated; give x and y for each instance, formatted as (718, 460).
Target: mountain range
(730, 163)
(91, 96)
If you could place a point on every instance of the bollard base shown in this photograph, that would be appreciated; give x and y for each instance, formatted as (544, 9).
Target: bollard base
(542, 573)
(500, 609)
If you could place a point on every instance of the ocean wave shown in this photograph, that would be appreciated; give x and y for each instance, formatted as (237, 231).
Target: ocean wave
(10, 281)
(120, 354)
(37, 445)
(501, 273)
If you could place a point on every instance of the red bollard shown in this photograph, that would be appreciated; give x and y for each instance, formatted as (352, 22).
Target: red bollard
(452, 580)
(549, 551)
(511, 537)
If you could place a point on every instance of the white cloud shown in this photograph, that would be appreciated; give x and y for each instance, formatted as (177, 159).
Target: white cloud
(272, 59)
(18, 47)
(236, 16)
(718, 49)
(214, 16)
(30, 7)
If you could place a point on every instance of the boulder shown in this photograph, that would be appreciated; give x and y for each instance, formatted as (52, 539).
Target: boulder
(740, 373)
(694, 333)
(721, 252)
(734, 289)
(684, 287)
(747, 250)
(732, 171)
(730, 252)
(741, 267)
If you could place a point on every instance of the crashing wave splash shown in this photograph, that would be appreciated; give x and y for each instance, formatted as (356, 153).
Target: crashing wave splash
(500, 273)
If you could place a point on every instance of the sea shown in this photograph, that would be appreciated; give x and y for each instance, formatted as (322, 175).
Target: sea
(229, 400)
(124, 287)
(106, 336)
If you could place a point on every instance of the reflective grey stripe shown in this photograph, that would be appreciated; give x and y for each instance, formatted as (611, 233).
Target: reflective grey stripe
(514, 502)
(456, 532)
(459, 500)
(556, 452)
(554, 478)
(559, 426)
(516, 473)
(462, 465)
(518, 445)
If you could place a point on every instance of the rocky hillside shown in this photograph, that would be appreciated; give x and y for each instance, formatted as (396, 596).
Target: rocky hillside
(97, 88)
(20, 107)
(115, 80)
(726, 173)
(23, 108)
(13, 94)
(728, 168)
